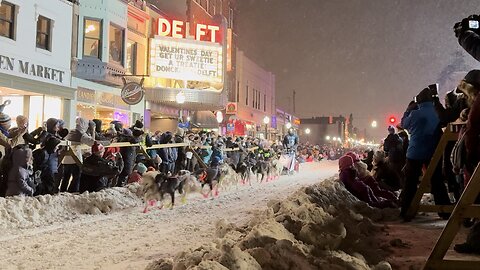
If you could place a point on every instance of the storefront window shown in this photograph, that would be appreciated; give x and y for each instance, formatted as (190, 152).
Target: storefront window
(54, 105)
(105, 114)
(116, 44)
(7, 20)
(92, 40)
(44, 33)
(131, 57)
(15, 108)
(35, 115)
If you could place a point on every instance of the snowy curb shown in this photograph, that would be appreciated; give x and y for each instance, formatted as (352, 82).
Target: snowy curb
(26, 212)
(319, 227)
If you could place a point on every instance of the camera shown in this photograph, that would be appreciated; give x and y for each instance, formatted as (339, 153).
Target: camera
(471, 23)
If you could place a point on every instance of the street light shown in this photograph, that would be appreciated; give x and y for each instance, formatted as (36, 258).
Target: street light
(307, 131)
(334, 138)
(219, 117)
(327, 138)
(180, 98)
(288, 125)
(374, 124)
(266, 120)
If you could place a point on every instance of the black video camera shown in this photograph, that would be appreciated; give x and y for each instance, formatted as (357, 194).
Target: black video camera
(471, 23)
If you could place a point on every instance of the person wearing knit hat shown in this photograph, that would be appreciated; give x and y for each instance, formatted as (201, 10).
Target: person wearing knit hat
(5, 120)
(136, 175)
(354, 156)
(98, 149)
(137, 129)
(345, 162)
(96, 170)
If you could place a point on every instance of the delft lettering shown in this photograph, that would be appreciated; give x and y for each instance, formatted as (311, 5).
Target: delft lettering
(180, 29)
(27, 68)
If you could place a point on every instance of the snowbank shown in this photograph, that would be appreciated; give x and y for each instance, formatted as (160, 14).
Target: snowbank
(318, 227)
(27, 212)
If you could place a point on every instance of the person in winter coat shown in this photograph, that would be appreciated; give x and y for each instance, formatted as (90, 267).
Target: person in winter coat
(98, 130)
(468, 39)
(20, 135)
(181, 161)
(369, 159)
(393, 147)
(455, 103)
(168, 155)
(46, 161)
(366, 177)
(138, 172)
(470, 85)
(77, 136)
(52, 125)
(423, 124)
(96, 170)
(384, 174)
(128, 154)
(348, 176)
(20, 176)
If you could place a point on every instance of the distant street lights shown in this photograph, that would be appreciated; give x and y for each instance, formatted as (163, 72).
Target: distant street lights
(327, 138)
(374, 124)
(307, 131)
(288, 125)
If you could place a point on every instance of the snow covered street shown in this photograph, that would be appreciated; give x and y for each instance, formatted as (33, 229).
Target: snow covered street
(129, 239)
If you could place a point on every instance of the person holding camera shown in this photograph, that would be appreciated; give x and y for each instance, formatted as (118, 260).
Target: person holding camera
(467, 31)
(422, 122)
(455, 103)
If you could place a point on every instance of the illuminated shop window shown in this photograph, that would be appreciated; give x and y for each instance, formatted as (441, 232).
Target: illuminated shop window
(35, 115)
(7, 20)
(92, 39)
(116, 44)
(132, 57)
(54, 105)
(44, 32)
(14, 109)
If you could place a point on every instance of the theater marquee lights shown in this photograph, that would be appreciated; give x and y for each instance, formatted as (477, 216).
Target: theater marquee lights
(186, 60)
(180, 53)
(180, 29)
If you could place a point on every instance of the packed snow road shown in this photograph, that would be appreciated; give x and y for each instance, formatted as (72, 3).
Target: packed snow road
(129, 239)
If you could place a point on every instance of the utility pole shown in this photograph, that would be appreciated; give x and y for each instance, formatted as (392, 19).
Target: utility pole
(294, 94)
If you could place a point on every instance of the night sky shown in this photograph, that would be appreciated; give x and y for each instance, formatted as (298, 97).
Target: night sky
(366, 57)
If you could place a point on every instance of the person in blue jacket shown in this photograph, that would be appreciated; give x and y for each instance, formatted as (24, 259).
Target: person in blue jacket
(422, 122)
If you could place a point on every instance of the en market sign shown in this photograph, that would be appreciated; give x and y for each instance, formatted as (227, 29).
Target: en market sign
(132, 93)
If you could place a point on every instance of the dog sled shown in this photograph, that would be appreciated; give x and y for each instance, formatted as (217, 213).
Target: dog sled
(288, 160)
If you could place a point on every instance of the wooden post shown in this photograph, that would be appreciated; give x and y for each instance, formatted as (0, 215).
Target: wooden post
(425, 182)
(464, 208)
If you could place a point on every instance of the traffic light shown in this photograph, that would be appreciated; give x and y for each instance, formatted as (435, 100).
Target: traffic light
(392, 120)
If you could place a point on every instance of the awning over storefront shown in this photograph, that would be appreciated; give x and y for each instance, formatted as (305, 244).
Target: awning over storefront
(24, 84)
(195, 100)
(204, 119)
